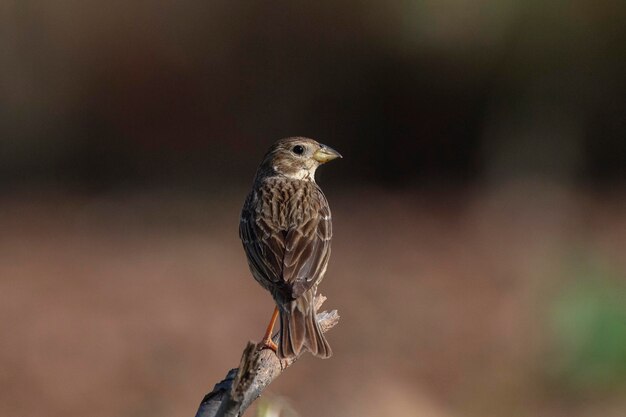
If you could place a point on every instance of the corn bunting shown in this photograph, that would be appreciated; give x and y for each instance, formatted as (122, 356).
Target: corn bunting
(286, 231)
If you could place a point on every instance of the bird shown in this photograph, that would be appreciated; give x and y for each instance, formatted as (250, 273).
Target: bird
(286, 231)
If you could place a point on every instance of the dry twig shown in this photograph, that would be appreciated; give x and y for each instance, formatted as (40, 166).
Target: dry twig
(257, 369)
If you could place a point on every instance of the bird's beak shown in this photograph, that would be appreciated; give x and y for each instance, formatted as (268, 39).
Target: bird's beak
(325, 154)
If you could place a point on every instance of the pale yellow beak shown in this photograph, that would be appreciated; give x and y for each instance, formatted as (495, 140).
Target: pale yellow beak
(325, 154)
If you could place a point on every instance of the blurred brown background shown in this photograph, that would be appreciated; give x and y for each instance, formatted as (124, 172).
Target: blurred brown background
(480, 210)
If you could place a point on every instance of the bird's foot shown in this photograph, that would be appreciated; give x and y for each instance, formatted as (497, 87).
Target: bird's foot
(268, 343)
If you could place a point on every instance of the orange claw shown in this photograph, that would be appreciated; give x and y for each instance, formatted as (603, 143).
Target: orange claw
(269, 344)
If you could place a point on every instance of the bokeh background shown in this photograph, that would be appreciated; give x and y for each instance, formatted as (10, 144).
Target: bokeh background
(479, 260)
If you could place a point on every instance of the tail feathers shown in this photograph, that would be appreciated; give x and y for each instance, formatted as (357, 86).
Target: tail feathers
(299, 330)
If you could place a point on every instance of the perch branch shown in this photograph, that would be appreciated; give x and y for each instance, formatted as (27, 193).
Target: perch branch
(257, 369)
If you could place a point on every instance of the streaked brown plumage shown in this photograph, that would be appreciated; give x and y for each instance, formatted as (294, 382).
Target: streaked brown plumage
(286, 232)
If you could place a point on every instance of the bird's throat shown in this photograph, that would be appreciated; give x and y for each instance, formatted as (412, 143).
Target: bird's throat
(301, 174)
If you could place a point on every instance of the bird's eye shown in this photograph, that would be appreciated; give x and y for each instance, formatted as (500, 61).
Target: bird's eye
(298, 149)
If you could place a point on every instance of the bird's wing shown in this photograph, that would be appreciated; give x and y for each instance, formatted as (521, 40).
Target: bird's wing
(264, 246)
(307, 249)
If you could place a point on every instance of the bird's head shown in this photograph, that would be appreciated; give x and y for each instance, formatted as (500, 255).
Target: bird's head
(297, 158)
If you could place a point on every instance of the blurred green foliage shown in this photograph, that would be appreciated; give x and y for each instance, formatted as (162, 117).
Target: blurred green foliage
(588, 322)
(274, 406)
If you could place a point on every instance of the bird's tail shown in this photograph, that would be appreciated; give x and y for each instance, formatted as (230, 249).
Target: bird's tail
(299, 329)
